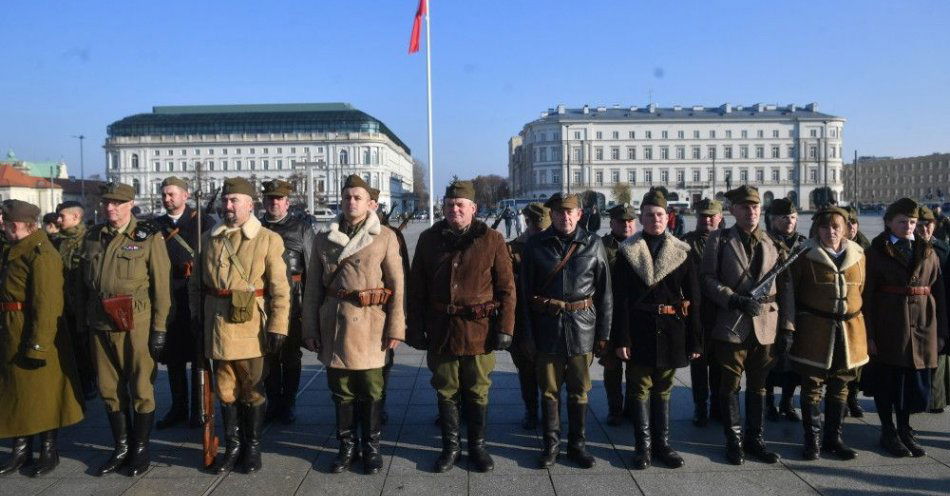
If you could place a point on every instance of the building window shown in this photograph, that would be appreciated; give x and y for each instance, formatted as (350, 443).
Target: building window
(224, 165)
(184, 153)
(293, 150)
(599, 177)
(775, 174)
(158, 166)
(543, 177)
(555, 154)
(577, 177)
(745, 133)
(577, 135)
(665, 176)
(727, 151)
(813, 133)
(649, 134)
(184, 166)
(744, 175)
(648, 153)
(743, 151)
(711, 152)
(680, 176)
(813, 175)
(344, 157)
(224, 151)
(211, 165)
(664, 153)
(760, 151)
(600, 135)
(775, 133)
(712, 134)
(253, 164)
(759, 176)
(710, 174)
(791, 151)
(632, 176)
(170, 165)
(615, 175)
(616, 134)
(578, 155)
(556, 176)
(728, 133)
(813, 152)
(237, 165)
(695, 175)
(648, 175)
(680, 152)
(632, 134)
(664, 134)
(696, 134)
(135, 161)
(760, 133)
(280, 164)
(367, 157)
(615, 153)
(599, 152)
(266, 164)
(171, 153)
(237, 151)
(544, 154)
(680, 134)
(137, 186)
(775, 152)
(696, 153)
(375, 157)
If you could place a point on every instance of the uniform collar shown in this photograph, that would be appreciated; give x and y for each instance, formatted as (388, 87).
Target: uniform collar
(250, 229)
(21, 247)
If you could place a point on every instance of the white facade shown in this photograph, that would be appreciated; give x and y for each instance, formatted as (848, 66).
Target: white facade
(143, 161)
(695, 152)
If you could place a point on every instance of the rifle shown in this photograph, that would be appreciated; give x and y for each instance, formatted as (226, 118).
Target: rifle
(498, 219)
(762, 288)
(385, 218)
(209, 440)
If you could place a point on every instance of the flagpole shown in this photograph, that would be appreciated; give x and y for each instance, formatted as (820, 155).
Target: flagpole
(429, 110)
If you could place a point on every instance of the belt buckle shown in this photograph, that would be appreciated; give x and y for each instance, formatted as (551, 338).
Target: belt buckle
(660, 309)
(451, 309)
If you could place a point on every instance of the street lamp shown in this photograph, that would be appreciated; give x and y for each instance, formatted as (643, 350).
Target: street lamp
(82, 170)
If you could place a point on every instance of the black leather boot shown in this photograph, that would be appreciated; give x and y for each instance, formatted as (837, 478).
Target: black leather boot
(528, 383)
(890, 441)
(178, 383)
(811, 421)
(119, 424)
(577, 435)
(49, 454)
(451, 449)
(908, 436)
(551, 418)
(477, 418)
(854, 406)
(613, 386)
(139, 458)
(732, 429)
(370, 423)
(21, 455)
(230, 419)
(346, 434)
(832, 442)
(660, 426)
(786, 408)
(253, 420)
(754, 443)
(290, 384)
(642, 458)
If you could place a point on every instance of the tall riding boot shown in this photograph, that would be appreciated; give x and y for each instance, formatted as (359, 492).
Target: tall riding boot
(811, 421)
(21, 455)
(890, 441)
(613, 386)
(232, 439)
(642, 457)
(194, 417)
(290, 384)
(771, 411)
(273, 383)
(372, 434)
(528, 384)
(715, 403)
(732, 428)
(451, 449)
(754, 443)
(790, 381)
(551, 418)
(832, 442)
(139, 458)
(854, 405)
(49, 454)
(699, 377)
(477, 418)
(660, 426)
(907, 434)
(119, 423)
(383, 414)
(346, 434)
(629, 396)
(178, 383)
(577, 435)
(253, 420)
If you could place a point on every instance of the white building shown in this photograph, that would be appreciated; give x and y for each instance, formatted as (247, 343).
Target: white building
(15, 184)
(302, 143)
(786, 151)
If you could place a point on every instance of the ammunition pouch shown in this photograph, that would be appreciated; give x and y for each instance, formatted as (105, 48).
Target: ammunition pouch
(553, 306)
(242, 306)
(365, 297)
(471, 312)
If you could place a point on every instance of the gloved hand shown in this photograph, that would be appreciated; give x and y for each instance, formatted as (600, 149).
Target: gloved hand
(418, 340)
(501, 341)
(600, 347)
(745, 304)
(275, 342)
(156, 343)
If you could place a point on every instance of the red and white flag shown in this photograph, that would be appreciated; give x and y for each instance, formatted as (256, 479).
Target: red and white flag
(417, 26)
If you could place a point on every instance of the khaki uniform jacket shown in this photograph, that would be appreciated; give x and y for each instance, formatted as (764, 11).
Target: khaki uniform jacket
(351, 336)
(260, 253)
(820, 286)
(729, 273)
(35, 399)
(135, 262)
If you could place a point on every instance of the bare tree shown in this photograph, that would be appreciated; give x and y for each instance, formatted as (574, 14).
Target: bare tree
(490, 189)
(419, 189)
(621, 193)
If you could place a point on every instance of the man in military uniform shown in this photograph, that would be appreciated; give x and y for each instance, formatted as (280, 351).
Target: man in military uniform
(129, 297)
(69, 242)
(296, 230)
(461, 306)
(246, 299)
(565, 287)
(705, 373)
(354, 315)
(623, 224)
(179, 227)
(854, 387)
(940, 376)
(783, 221)
(854, 231)
(734, 260)
(537, 218)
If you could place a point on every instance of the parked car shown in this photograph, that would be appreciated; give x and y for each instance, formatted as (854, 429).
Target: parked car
(323, 215)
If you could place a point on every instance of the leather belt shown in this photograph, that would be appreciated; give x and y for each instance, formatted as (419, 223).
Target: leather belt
(12, 306)
(363, 297)
(477, 311)
(555, 306)
(226, 293)
(296, 278)
(827, 315)
(658, 309)
(905, 290)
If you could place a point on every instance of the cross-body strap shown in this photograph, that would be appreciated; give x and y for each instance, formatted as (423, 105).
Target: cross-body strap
(232, 256)
(560, 266)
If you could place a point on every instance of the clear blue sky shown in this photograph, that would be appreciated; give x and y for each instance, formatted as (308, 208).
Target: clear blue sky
(73, 67)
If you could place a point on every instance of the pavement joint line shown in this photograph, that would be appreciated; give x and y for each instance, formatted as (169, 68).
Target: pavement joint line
(402, 426)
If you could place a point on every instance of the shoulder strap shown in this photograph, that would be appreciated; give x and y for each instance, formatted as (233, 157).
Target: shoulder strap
(339, 267)
(232, 256)
(560, 266)
(173, 234)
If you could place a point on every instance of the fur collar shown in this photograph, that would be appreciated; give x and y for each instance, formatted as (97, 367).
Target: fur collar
(852, 254)
(453, 242)
(672, 254)
(361, 240)
(882, 243)
(250, 229)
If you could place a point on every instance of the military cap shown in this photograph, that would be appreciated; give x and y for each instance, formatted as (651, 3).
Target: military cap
(708, 206)
(852, 215)
(117, 192)
(354, 181)
(238, 186)
(374, 194)
(830, 210)
(560, 201)
(622, 212)
(783, 206)
(174, 181)
(68, 204)
(538, 213)
(904, 206)
(461, 189)
(927, 214)
(743, 194)
(19, 211)
(50, 218)
(277, 188)
(653, 197)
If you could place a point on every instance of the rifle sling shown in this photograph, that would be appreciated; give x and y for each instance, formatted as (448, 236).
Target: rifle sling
(560, 266)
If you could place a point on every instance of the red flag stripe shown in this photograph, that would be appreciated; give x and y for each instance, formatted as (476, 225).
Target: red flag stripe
(417, 26)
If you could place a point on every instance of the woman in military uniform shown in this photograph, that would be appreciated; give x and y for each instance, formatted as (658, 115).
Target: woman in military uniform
(38, 379)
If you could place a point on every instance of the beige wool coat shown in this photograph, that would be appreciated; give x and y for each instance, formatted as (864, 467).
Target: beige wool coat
(260, 252)
(351, 336)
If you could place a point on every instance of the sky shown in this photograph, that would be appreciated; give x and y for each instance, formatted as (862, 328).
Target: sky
(73, 67)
